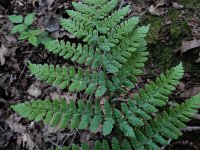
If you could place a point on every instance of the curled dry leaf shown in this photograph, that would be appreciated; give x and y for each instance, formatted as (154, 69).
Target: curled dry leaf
(3, 53)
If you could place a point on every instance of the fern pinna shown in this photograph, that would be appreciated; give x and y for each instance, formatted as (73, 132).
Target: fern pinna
(109, 59)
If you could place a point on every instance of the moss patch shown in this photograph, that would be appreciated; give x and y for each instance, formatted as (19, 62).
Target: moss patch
(156, 25)
(192, 4)
(164, 38)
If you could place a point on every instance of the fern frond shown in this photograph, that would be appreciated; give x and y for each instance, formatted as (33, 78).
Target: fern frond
(79, 30)
(60, 113)
(109, 121)
(132, 67)
(85, 9)
(64, 77)
(167, 125)
(156, 93)
(84, 19)
(95, 2)
(113, 20)
(104, 145)
(122, 30)
(123, 124)
(105, 8)
(81, 54)
(97, 119)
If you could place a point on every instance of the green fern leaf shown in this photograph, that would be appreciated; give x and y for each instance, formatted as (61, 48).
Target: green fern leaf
(109, 121)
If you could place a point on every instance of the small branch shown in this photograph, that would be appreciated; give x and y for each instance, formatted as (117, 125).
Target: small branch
(53, 143)
(73, 138)
(190, 129)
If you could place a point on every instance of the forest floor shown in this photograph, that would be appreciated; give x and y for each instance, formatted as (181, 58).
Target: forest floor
(174, 36)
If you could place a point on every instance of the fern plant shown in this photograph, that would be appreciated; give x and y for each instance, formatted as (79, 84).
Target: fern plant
(110, 57)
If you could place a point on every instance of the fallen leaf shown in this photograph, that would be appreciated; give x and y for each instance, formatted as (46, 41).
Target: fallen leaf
(51, 24)
(177, 5)
(155, 11)
(194, 24)
(28, 142)
(49, 3)
(23, 138)
(161, 3)
(3, 53)
(188, 45)
(190, 92)
(35, 90)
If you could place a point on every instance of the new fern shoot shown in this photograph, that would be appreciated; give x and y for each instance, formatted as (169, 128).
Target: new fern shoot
(110, 57)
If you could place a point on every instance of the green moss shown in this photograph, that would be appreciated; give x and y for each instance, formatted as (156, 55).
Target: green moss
(156, 25)
(180, 29)
(162, 56)
(173, 14)
(192, 4)
(164, 38)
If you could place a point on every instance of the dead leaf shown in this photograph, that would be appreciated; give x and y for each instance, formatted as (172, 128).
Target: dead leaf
(28, 142)
(49, 3)
(188, 45)
(194, 24)
(177, 5)
(3, 53)
(155, 11)
(191, 92)
(23, 138)
(35, 90)
(161, 3)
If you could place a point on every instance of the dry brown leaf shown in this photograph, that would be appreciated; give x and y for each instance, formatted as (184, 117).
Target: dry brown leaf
(188, 45)
(49, 3)
(194, 24)
(155, 11)
(177, 5)
(23, 137)
(161, 3)
(3, 53)
(191, 92)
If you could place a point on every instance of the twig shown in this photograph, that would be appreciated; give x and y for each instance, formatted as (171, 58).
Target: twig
(22, 72)
(73, 138)
(53, 143)
(190, 129)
